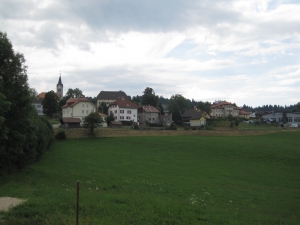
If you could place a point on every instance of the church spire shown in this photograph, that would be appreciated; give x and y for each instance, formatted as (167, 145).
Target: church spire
(59, 81)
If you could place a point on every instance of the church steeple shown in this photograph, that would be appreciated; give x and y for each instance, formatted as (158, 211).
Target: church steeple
(59, 87)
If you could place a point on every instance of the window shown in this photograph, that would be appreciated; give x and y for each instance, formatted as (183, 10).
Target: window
(121, 111)
(297, 119)
(128, 117)
(121, 117)
(289, 119)
(87, 111)
(87, 105)
(116, 111)
(128, 111)
(82, 111)
(82, 105)
(38, 106)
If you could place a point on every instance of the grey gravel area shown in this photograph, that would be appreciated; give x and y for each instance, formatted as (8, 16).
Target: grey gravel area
(7, 203)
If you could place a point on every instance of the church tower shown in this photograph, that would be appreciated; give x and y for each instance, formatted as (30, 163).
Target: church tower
(60, 88)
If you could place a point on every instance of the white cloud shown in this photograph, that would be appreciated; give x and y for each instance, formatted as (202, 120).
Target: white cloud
(129, 45)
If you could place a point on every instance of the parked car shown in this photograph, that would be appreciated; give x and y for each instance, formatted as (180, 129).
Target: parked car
(294, 125)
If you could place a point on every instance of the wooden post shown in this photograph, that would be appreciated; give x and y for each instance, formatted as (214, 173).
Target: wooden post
(77, 202)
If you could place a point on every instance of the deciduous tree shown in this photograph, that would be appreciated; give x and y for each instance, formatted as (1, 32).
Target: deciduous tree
(149, 97)
(204, 106)
(178, 105)
(24, 136)
(50, 103)
(92, 121)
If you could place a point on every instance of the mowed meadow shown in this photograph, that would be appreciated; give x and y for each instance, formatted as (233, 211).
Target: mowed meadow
(162, 180)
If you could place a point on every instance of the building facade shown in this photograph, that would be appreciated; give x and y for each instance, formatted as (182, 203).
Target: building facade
(124, 110)
(78, 108)
(223, 109)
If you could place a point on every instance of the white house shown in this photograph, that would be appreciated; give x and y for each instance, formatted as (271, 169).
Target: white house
(78, 108)
(124, 110)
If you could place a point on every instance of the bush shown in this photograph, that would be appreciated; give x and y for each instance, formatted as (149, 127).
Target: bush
(136, 127)
(173, 126)
(186, 128)
(61, 135)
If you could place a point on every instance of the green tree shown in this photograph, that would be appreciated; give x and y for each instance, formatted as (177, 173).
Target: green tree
(74, 93)
(109, 118)
(298, 107)
(178, 105)
(33, 93)
(161, 109)
(24, 136)
(204, 106)
(103, 108)
(92, 121)
(149, 97)
(50, 103)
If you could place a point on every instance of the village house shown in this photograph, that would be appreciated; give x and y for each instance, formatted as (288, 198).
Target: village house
(124, 110)
(194, 117)
(244, 114)
(222, 109)
(147, 113)
(77, 108)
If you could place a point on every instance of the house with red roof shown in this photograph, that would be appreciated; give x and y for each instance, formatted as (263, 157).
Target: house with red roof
(244, 114)
(124, 110)
(78, 108)
(223, 109)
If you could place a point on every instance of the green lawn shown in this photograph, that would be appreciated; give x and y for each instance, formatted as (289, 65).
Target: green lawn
(162, 180)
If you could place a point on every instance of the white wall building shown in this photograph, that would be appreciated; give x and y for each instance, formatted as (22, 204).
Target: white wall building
(291, 118)
(123, 110)
(78, 108)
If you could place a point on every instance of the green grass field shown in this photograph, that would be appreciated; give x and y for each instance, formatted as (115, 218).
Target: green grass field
(162, 180)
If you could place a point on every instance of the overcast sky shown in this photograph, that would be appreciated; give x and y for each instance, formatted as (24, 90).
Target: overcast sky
(247, 52)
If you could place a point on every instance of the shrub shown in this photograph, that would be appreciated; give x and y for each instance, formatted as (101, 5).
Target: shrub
(173, 126)
(61, 135)
(136, 127)
(186, 128)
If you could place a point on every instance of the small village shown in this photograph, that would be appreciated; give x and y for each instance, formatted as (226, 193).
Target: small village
(126, 112)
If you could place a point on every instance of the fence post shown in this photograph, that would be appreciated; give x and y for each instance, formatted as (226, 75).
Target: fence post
(77, 202)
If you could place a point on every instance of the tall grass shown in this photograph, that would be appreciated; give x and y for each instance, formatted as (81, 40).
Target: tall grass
(162, 180)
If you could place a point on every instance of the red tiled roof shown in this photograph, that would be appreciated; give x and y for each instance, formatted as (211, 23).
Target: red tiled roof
(102, 115)
(73, 101)
(243, 112)
(42, 95)
(220, 105)
(124, 103)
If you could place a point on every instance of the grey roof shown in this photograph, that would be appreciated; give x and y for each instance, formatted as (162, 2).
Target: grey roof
(193, 114)
(114, 95)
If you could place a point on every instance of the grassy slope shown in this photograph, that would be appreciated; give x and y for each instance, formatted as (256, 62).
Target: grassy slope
(163, 180)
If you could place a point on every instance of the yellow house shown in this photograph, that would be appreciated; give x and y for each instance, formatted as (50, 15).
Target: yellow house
(194, 117)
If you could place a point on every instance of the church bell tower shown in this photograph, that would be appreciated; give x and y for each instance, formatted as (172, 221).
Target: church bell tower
(60, 88)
